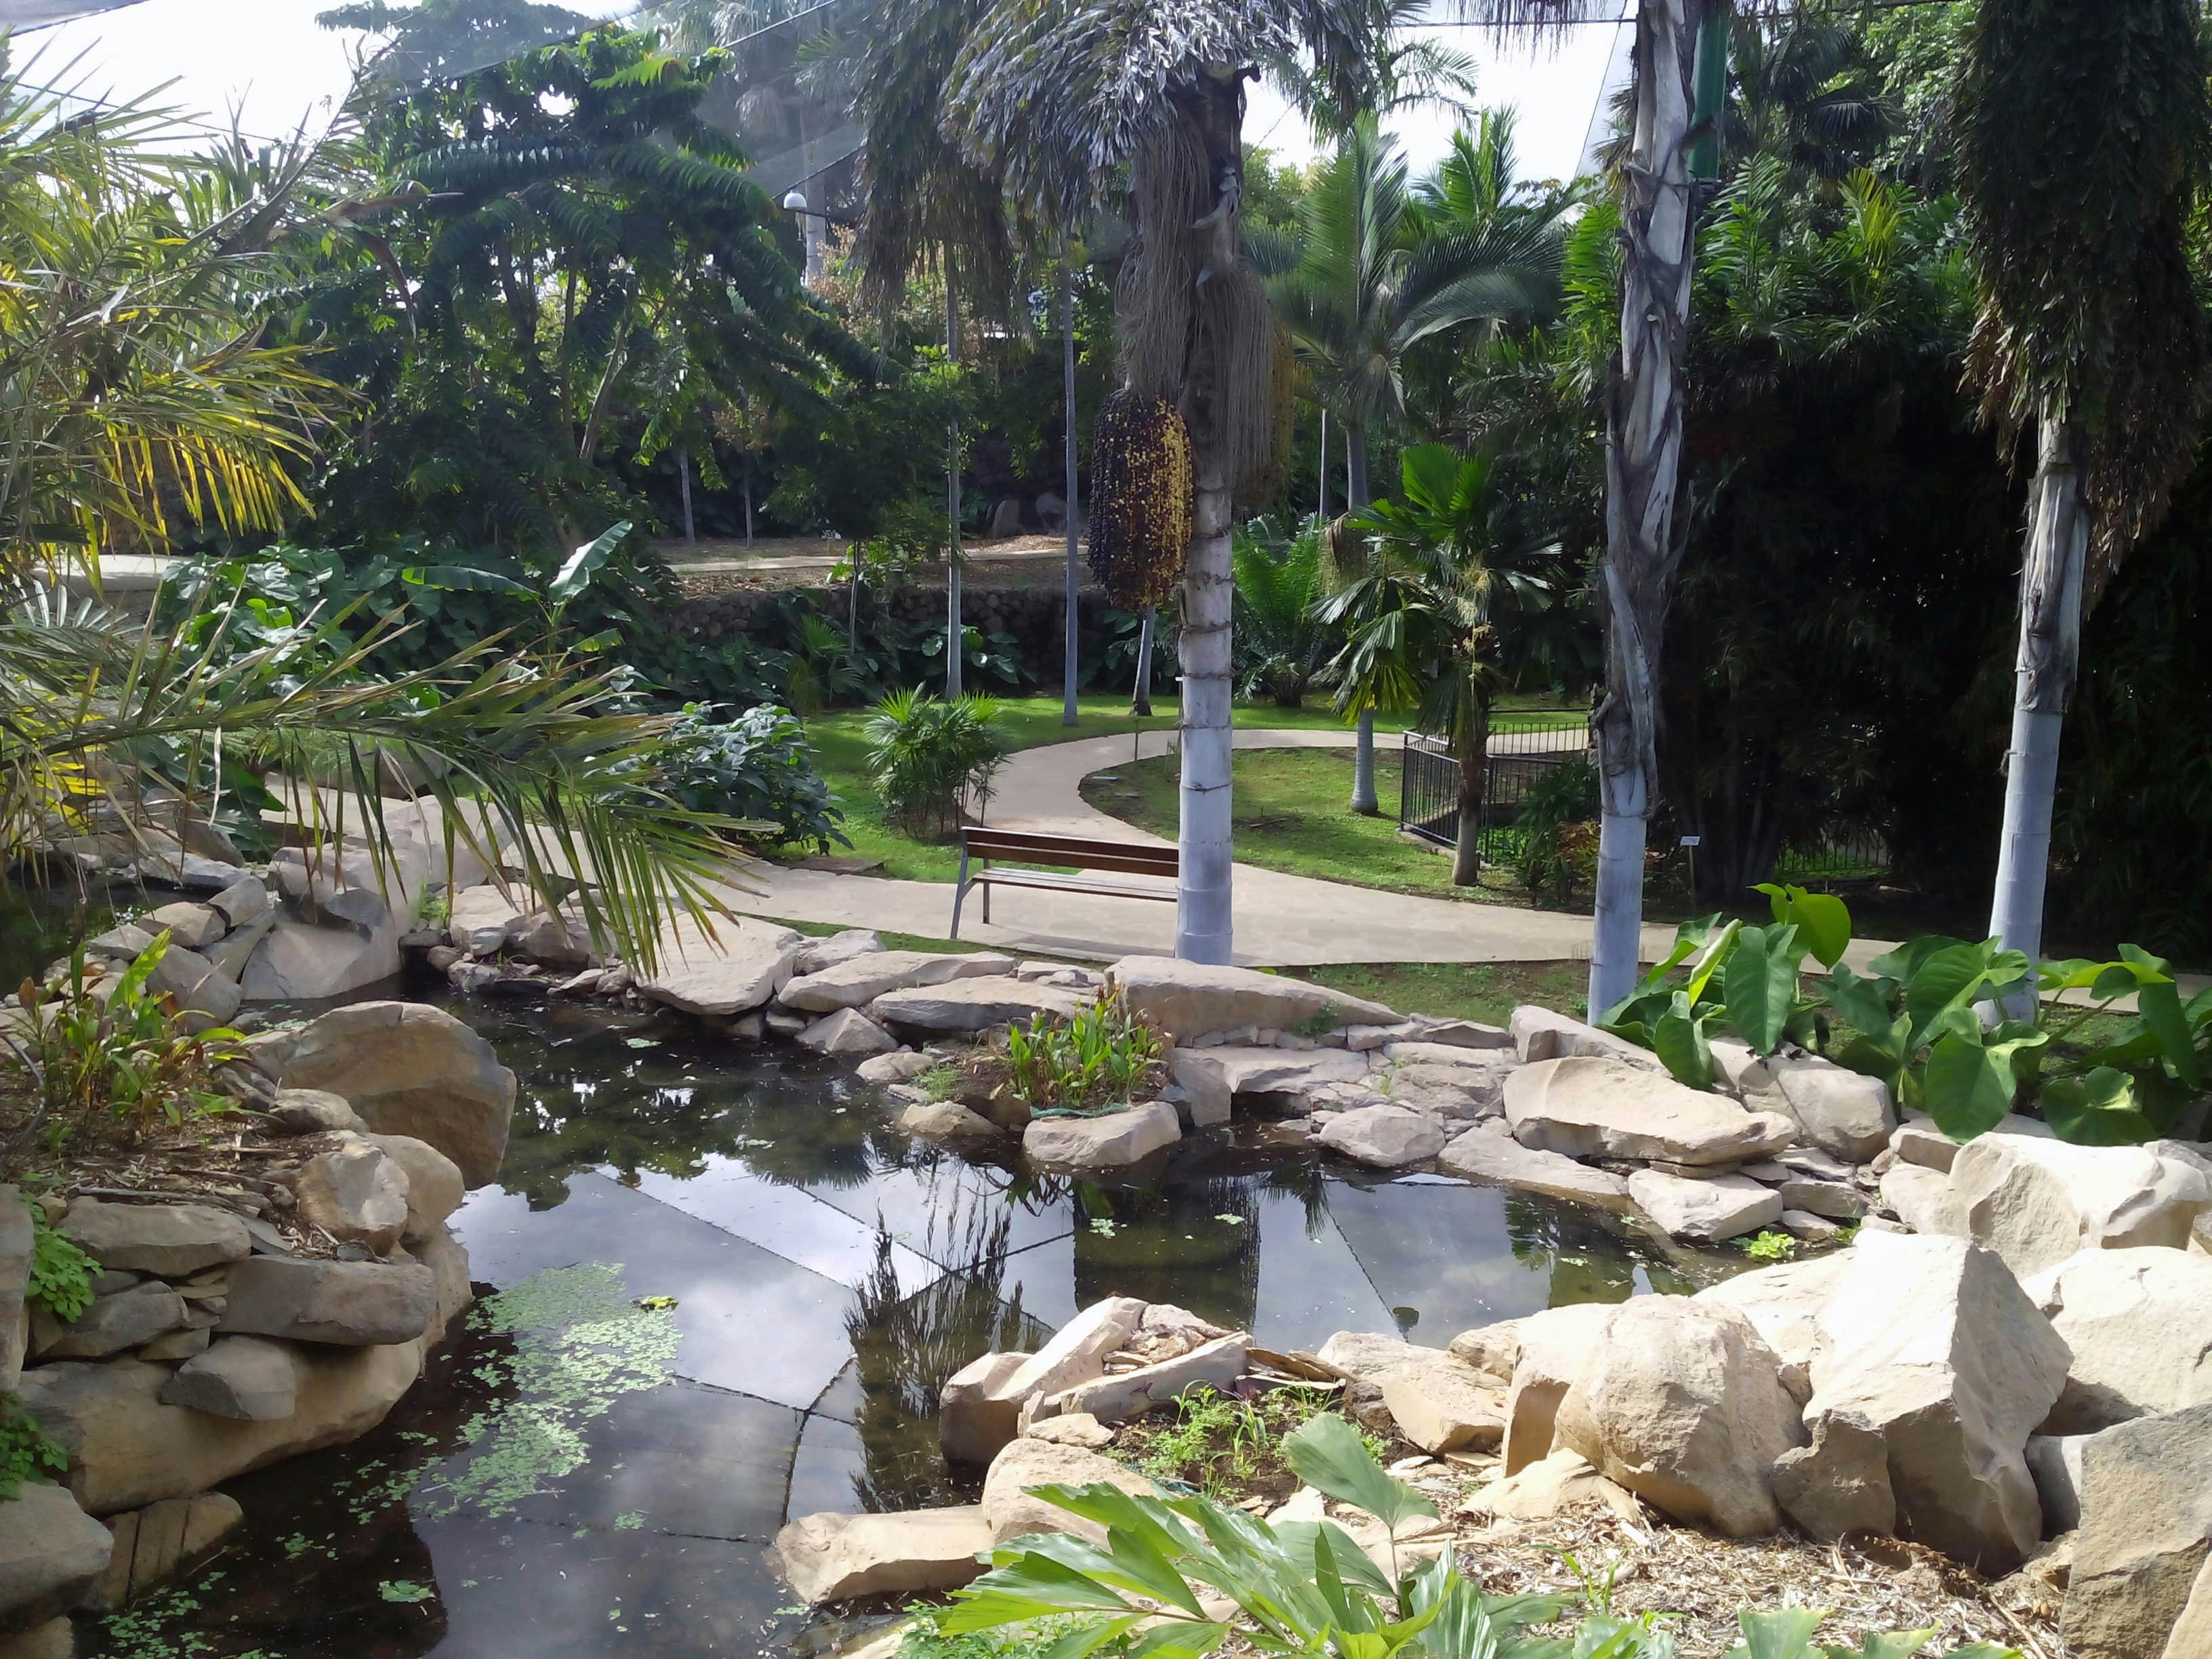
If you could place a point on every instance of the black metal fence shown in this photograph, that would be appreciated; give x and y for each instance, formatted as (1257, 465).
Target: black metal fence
(1521, 753)
(1835, 858)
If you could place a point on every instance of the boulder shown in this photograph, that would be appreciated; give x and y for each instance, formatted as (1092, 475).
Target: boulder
(1072, 1429)
(152, 1544)
(1679, 1401)
(242, 902)
(899, 1066)
(2139, 1323)
(1922, 1199)
(1934, 1344)
(192, 925)
(300, 962)
(351, 1303)
(1921, 1143)
(1025, 1463)
(173, 1240)
(1384, 1137)
(484, 921)
(1707, 1211)
(2054, 1463)
(1837, 1109)
(2145, 1535)
(1442, 1404)
(1835, 1201)
(55, 1640)
(737, 966)
(834, 1557)
(557, 939)
(818, 954)
(1461, 1034)
(1214, 1364)
(17, 1240)
(51, 1553)
(1840, 1483)
(1459, 1093)
(945, 1119)
(1555, 1485)
(848, 1034)
(1204, 1083)
(975, 1414)
(1286, 1078)
(128, 1449)
(408, 1069)
(178, 1344)
(1587, 1107)
(247, 1379)
(1483, 1155)
(439, 1252)
(313, 1112)
(2035, 1201)
(434, 1188)
(1077, 1351)
(974, 1003)
(859, 980)
(1188, 999)
(1551, 1349)
(1540, 1033)
(2191, 1636)
(1366, 1357)
(357, 1193)
(1110, 1142)
(1783, 1304)
(111, 1324)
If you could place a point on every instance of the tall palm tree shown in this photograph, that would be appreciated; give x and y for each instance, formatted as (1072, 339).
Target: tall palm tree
(2084, 144)
(1377, 279)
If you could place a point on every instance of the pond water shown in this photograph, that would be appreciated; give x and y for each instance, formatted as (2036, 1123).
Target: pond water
(723, 1289)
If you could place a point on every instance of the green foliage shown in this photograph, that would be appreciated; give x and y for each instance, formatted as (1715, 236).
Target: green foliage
(61, 1273)
(933, 758)
(1768, 1246)
(1557, 820)
(1097, 1058)
(27, 1452)
(1277, 641)
(756, 768)
(1788, 1632)
(1220, 1444)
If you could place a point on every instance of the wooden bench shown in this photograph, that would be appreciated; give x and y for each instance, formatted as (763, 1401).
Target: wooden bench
(979, 846)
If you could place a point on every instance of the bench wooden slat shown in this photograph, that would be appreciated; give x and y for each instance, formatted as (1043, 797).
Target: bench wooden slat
(1008, 843)
(1040, 878)
(1070, 853)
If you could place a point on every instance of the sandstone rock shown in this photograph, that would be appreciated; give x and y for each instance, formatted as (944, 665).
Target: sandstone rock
(171, 1239)
(2192, 1636)
(1540, 1033)
(834, 1558)
(1679, 1402)
(177, 1344)
(128, 1449)
(974, 1003)
(1840, 1483)
(1783, 1304)
(2146, 1531)
(2054, 1463)
(1741, 1070)
(974, 1415)
(1442, 1405)
(55, 1640)
(1552, 1349)
(439, 1252)
(299, 962)
(848, 1034)
(1102, 1143)
(1725, 1206)
(1463, 1034)
(193, 925)
(1923, 1143)
(313, 1112)
(1500, 1159)
(111, 1324)
(1839, 1110)
(1274, 1077)
(2035, 1202)
(484, 921)
(1461, 1094)
(1072, 1429)
(197, 984)
(2139, 1323)
(896, 1067)
(740, 966)
(352, 1304)
(1077, 1353)
(1493, 1349)
(1812, 1229)
(242, 902)
(408, 1069)
(17, 1240)
(1586, 1107)
(1384, 1137)
(434, 1188)
(818, 954)
(1554, 1485)
(1932, 1342)
(1923, 1199)
(945, 1119)
(1836, 1201)
(1024, 1463)
(1214, 1365)
(152, 1544)
(557, 941)
(51, 1553)
(861, 979)
(358, 1192)
(1188, 999)
(1205, 1083)
(1368, 1358)
(247, 1379)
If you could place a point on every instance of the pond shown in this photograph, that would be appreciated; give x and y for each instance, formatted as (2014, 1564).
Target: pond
(723, 1289)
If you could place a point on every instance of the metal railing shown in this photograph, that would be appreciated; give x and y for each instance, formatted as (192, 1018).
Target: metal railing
(1521, 753)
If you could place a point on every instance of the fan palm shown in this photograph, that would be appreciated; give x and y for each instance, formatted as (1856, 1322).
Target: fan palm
(1441, 610)
(2084, 141)
(1377, 278)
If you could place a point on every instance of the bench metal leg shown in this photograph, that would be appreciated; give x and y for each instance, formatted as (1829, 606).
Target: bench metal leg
(960, 893)
(987, 894)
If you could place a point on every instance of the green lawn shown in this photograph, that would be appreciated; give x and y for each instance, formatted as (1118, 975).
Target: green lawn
(1484, 991)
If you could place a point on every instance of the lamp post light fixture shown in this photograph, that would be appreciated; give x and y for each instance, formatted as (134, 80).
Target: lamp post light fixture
(813, 227)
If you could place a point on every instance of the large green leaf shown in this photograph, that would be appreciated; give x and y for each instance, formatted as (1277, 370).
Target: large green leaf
(1710, 963)
(1778, 1633)
(1823, 920)
(1868, 1005)
(1759, 984)
(1956, 977)
(2098, 1109)
(576, 575)
(1030, 1585)
(1678, 1039)
(463, 578)
(1328, 1454)
(1897, 1643)
(1968, 1083)
(1189, 1638)
(2159, 1006)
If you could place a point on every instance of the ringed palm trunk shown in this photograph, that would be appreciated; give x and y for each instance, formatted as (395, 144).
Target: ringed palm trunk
(1203, 929)
(1362, 761)
(2050, 651)
(1473, 775)
(1068, 712)
(1643, 444)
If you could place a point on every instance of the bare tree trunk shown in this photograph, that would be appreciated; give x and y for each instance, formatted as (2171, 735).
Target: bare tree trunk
(1363, 754)
(1643, 434)
(955, 629)
(1320, 506)
(1204, 932)
(1067, 714)
(2050, 652)
(746, 460)
(1474, 774)
(684, 476)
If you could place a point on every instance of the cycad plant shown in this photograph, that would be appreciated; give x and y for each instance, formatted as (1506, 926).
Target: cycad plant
(1279, 641)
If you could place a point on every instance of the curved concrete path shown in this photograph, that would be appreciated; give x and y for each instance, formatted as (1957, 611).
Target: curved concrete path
(1281, 920)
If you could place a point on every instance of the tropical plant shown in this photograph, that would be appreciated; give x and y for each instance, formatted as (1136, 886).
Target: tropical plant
(1279, 643)
(61, 1273)
(27, 1452)
(1099, 1057)
(933, 757)
(2084, 143)
(756, 768)
(1440, 611)
(1558, 830)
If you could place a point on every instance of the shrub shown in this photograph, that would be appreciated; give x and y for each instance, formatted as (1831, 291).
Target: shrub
(61, 1273)
(1559, 853)
(756, 768)
(1098, 1056)
(933, 758)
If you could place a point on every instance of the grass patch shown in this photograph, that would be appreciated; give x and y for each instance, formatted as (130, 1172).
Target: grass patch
(1232, 1449)
(1484, 991)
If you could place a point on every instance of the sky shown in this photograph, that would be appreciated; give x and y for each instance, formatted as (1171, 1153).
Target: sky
(269, 60)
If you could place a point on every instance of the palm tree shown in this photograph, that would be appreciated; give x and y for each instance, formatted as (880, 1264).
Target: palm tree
(2084, 141)
(1375, 280)
(1443, 606)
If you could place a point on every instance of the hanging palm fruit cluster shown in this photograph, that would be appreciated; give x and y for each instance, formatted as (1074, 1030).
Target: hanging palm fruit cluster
(1140, 498)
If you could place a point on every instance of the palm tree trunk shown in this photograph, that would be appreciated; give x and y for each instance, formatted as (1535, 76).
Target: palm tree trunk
(1203, 929)
(1067, 413)
(1644, 433)
(1474, 774)
(2050, 651)
(1363, 760)
(1321, 506)
(955, 630)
